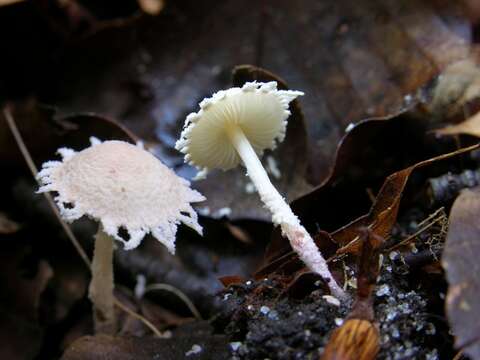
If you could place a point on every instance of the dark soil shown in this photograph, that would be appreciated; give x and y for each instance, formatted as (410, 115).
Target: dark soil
(264, 323)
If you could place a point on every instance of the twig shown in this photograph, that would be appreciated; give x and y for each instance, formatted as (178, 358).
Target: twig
(139, 317)
(33, 169)
(179, 294)
(419, 231)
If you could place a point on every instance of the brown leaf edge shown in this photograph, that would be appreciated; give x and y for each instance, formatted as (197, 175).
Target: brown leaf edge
(460, 261)
(380, 219)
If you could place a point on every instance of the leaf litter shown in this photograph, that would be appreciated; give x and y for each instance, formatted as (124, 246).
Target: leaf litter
(377, 206)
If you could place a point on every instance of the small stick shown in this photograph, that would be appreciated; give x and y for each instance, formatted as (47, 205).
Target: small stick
(33, 169)
(181, 295)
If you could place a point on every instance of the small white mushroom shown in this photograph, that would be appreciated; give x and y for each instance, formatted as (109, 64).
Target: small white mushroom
(236, 126)
(123, 187)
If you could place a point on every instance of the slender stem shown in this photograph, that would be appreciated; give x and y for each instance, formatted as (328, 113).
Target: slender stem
(282, 215)
(33, 169)
(31, 165)
(101, 285)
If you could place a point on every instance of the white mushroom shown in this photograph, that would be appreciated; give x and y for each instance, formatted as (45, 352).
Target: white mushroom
(124, 188)
(237, 125)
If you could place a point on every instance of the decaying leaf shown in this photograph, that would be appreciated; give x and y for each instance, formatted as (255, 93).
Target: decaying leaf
(382, 214)
(456, 92)
(352, 61)
(471, 126)
(193, 341)
(354, 340)
(460, 261)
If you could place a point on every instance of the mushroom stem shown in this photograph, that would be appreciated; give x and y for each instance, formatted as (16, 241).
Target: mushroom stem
(282, 214)
(101, 284)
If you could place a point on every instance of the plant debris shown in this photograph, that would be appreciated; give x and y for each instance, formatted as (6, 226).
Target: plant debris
(379, 163)
(461, 267)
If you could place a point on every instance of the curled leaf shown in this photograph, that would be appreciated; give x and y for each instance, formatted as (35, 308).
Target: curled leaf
(460, 261)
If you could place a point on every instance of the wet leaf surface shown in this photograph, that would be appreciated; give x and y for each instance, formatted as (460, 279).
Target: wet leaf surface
(160, 68)
(460, 261)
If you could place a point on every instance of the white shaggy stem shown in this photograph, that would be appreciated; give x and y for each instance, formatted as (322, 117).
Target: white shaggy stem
(101, 285)
(282, 215)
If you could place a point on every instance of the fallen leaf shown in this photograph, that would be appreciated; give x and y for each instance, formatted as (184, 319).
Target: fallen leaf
(368, 270)
(354, 340)
(193, 340)
(352, 61)
(460, 261)
(7, 226)
(383, 213)
(471, 126)
(456, 92)
(367, 154)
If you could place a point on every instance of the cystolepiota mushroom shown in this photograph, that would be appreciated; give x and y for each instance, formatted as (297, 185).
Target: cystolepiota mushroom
(127, 189)
(237, 125)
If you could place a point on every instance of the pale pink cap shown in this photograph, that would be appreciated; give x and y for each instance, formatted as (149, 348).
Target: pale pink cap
(121, 186)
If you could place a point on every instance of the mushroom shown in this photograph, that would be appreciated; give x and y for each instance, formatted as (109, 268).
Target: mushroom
(130, 193)
(237, 125)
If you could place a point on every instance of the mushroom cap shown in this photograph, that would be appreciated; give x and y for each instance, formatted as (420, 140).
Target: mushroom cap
(259, 109)
(122, 186)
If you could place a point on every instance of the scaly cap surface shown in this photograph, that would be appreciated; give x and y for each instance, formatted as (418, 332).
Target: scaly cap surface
(122, 186)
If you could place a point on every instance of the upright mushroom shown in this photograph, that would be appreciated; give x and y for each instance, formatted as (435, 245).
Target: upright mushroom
(237, 125)
(125, 188)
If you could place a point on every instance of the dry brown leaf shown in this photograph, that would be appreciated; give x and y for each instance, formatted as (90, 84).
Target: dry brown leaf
(354, 340)
(457, 90)
(384, 211)
(9, 2)
(471, 126)
(151, 7)
(194, 341)
(368, 151)
(460, 261)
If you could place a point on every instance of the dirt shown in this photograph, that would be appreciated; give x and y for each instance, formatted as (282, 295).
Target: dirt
(262, 322)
